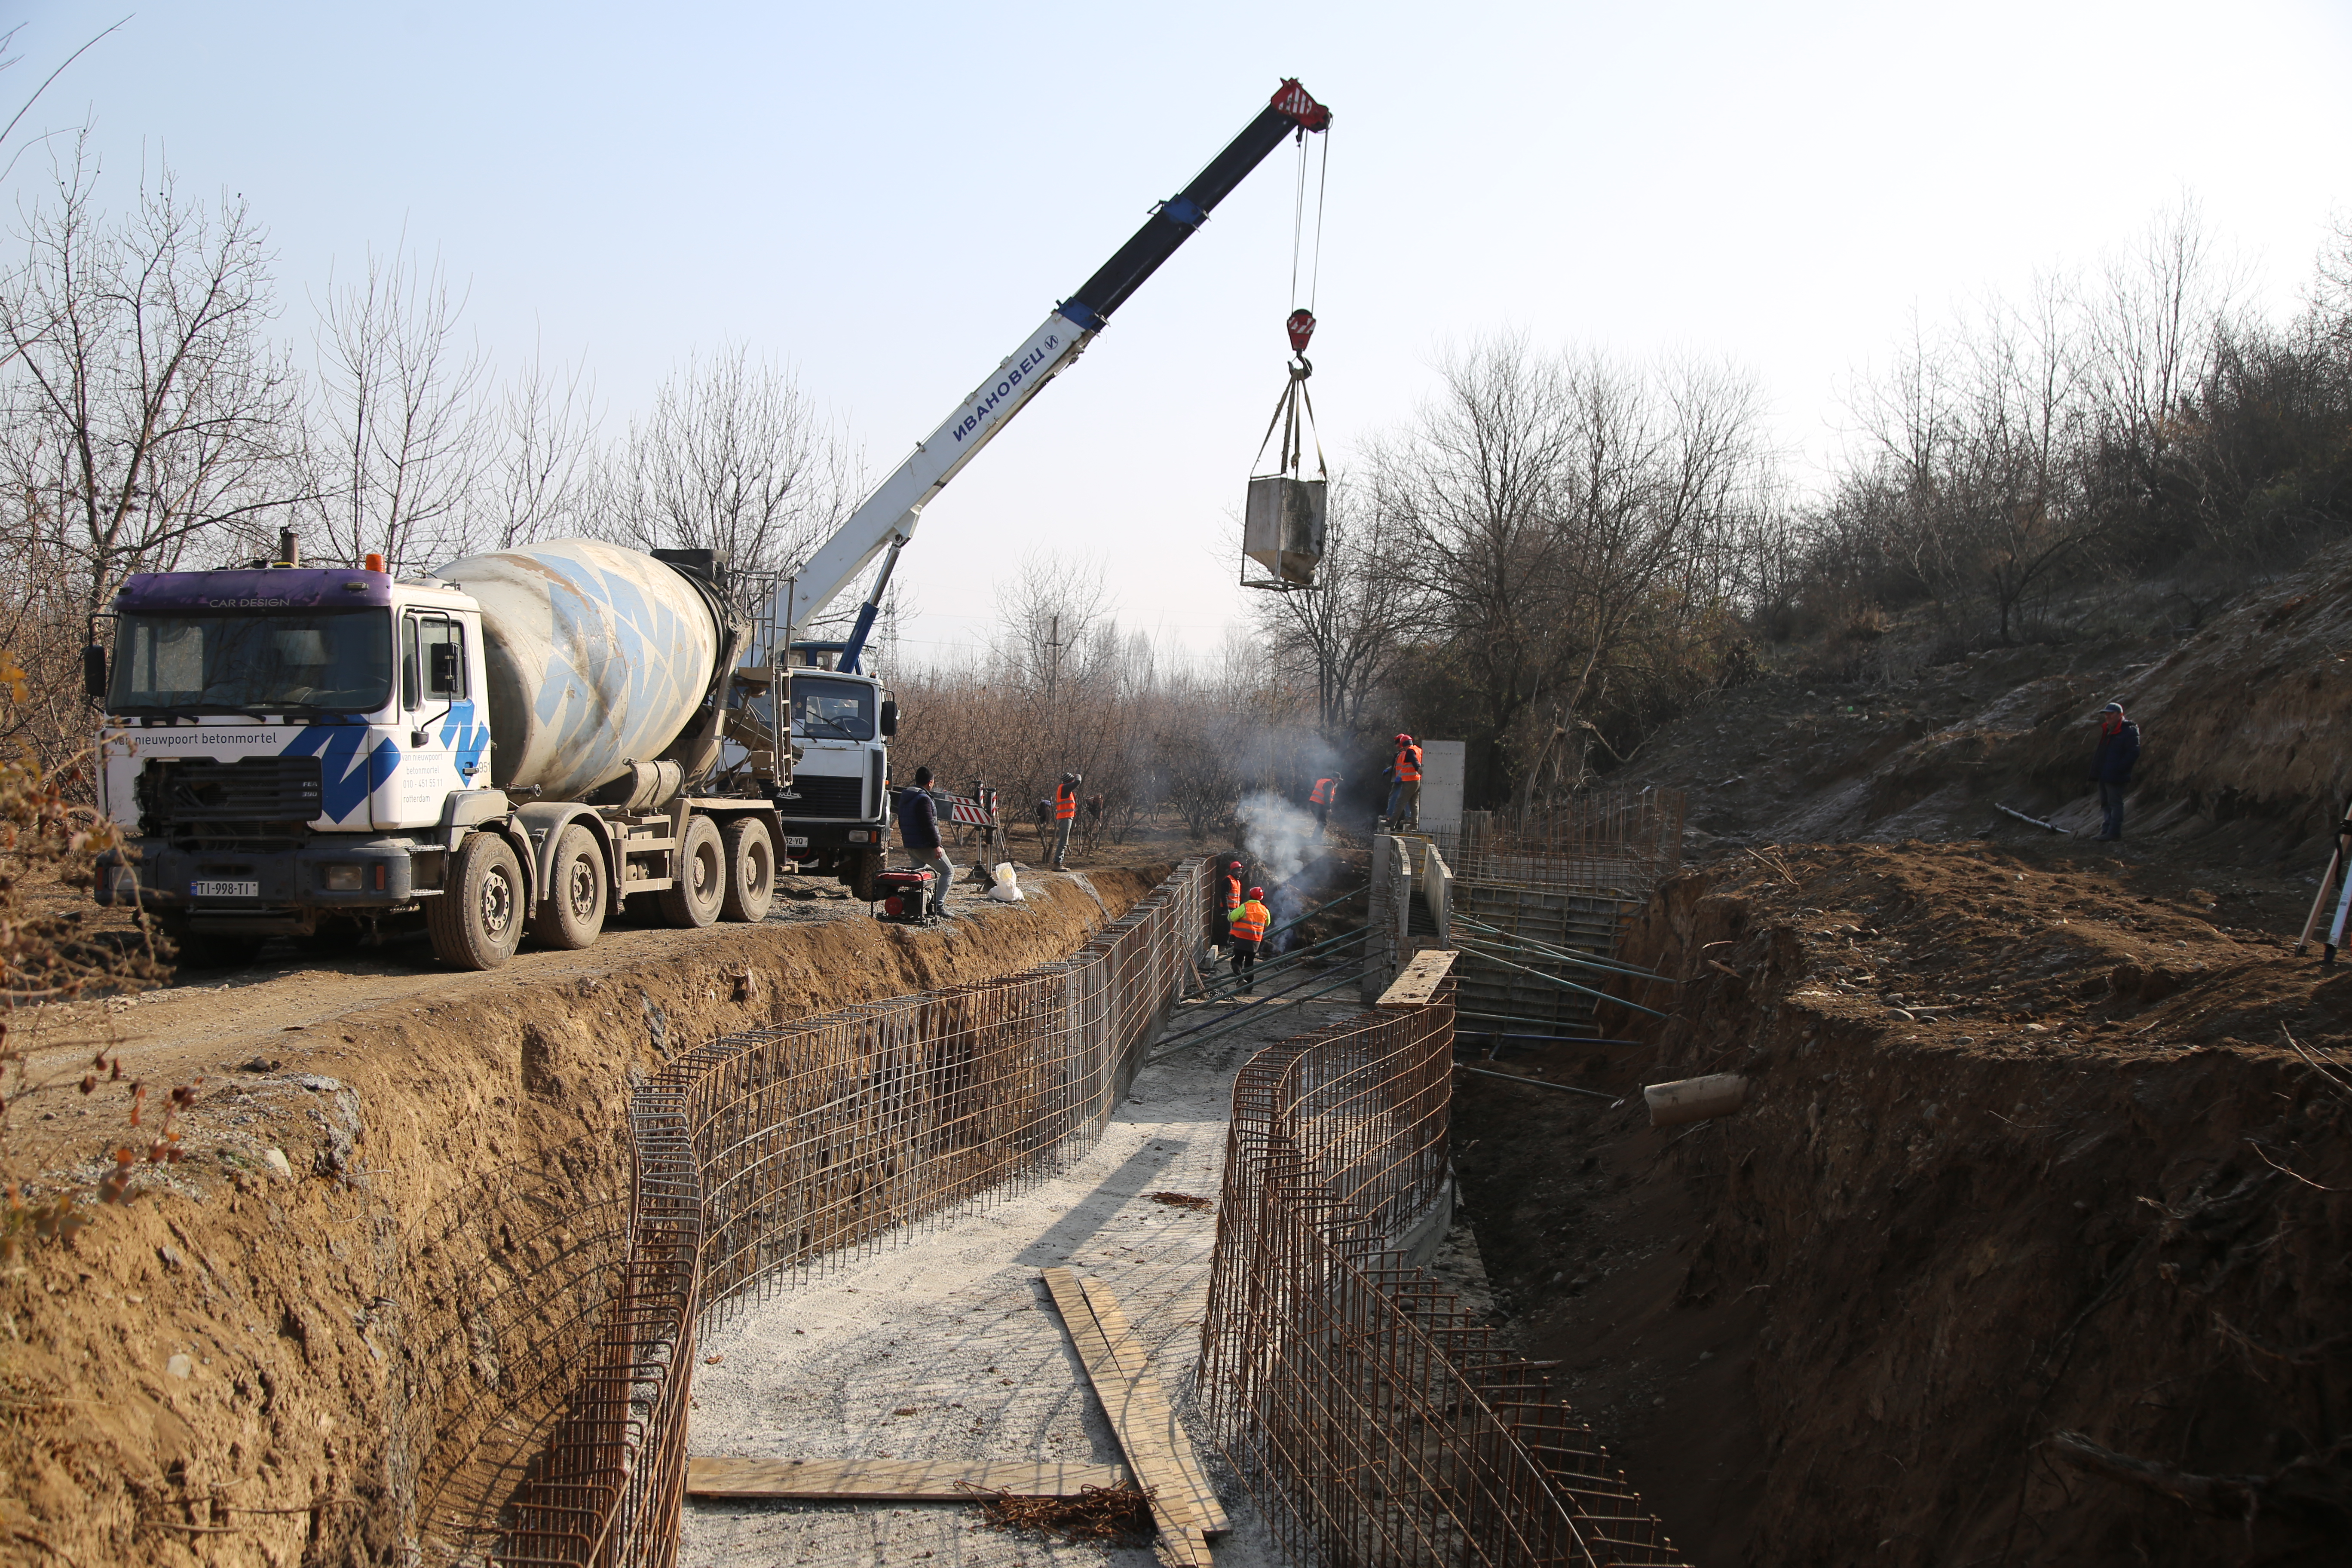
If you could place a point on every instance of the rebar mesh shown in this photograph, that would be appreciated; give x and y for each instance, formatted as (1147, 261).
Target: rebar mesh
(1609, 843)
(768, 1153)
(1571, 876)
(1372, 1420)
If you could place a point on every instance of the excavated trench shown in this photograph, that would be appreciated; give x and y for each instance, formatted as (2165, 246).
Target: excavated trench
(350, 1312)
(2029, 1245)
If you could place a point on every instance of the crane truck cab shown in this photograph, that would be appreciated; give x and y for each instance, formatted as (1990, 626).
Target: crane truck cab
(834, 804)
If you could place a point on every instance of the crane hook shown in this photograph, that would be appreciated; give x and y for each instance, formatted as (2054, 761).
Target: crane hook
(1301, 327)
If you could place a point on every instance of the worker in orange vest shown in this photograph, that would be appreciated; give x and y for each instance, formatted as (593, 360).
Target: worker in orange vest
(1248, 922)
(1327, 791)
(1404, 788)
(1065, 812)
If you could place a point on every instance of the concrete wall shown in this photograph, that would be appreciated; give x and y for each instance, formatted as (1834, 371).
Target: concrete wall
(1442, 764)
(1389, 918)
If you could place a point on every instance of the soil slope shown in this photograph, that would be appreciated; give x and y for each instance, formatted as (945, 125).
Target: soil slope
(2029, 1150)
(2242, 725)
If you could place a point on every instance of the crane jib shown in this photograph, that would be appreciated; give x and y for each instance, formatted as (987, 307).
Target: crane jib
(891, 510)
(985, 403)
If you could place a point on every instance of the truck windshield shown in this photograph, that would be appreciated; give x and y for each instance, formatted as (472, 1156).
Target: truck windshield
(331, 662)
(832, 709)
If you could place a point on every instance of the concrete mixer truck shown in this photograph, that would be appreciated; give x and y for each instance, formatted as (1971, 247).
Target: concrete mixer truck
(516, 742)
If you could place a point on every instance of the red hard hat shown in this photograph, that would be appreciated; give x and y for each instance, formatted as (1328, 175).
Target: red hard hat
(1257, 892)
(1405, 740)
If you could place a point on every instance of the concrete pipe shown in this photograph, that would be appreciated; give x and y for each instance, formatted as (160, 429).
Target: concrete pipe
(1695, 1099)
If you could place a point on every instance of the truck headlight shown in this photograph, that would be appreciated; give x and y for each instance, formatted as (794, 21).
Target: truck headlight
(859, 838)
(343, 878)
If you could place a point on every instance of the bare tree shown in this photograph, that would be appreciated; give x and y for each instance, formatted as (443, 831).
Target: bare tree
(2150, 332)
(145, 413)
(732, 457)
(399, 442)
(1562, 520)
(540, 480)
(1346, 636)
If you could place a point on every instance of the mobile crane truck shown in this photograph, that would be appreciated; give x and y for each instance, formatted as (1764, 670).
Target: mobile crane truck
(516, 741)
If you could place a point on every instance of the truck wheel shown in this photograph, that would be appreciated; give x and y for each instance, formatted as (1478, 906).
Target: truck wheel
(573, 913)
(478, 922)
(204, 951)
(864, 865)
(692, 901)
(750, 869)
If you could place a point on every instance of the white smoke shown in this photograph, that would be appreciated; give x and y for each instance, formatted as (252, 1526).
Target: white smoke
(1277, 835)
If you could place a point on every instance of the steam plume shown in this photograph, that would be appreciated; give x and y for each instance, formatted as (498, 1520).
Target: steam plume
(1278, 836)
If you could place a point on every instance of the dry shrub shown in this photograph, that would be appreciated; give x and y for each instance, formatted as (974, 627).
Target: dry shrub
(47, 845)
(1119, 1515)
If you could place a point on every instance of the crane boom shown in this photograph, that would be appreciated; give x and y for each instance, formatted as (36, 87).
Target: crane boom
(886, 519)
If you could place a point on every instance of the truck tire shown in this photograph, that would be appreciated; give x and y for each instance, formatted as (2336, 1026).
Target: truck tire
(863, 865)
(573, 913)
(692, 901)
(750, 869)
(478, 923)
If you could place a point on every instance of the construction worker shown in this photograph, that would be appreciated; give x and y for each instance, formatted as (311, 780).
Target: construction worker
(1325, 792)
(1229, 883)
(2111, 768)
(1404, 788)
(919, 830)
(1248, 922)
(1066, 812)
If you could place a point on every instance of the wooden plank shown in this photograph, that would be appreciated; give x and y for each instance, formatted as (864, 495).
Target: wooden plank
(1183, 1527)
(891, 1480)
(1420, 980)
(1127, 1350)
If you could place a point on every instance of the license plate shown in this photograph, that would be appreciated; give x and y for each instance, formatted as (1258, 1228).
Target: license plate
(791, 843)
(224, 889)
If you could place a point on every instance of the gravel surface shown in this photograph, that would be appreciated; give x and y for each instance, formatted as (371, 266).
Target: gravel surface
(948, 1346)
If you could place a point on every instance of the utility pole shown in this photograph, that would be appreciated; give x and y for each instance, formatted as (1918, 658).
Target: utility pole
(1053, 698)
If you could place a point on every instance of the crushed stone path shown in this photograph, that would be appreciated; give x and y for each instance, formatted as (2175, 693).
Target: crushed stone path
(947, 1345)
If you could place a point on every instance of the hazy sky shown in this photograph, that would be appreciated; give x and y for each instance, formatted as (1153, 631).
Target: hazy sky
(888, 199)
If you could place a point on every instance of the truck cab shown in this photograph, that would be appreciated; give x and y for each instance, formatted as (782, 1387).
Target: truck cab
(285, 745)
(833, 799)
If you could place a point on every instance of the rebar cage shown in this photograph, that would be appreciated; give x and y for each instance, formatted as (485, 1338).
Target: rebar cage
(1377, 1426)
(764, 1154)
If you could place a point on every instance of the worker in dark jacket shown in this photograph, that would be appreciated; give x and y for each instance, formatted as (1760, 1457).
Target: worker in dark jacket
(2111, 767)
(919, 830)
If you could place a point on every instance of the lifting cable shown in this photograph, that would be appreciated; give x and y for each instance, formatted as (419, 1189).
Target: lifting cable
(1294, 411)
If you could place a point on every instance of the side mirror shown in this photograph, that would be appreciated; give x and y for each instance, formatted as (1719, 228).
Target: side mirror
(889, 718)
(445, 669)
(93, 672)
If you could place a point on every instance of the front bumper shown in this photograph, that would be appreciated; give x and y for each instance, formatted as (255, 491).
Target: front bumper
(820, 836)
(290, 886)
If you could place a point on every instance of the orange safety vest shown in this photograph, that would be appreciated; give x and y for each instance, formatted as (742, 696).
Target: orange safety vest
(1249, 921)
(1233, 891)
(1408, 765)
(1066, 802)
(1322, 795)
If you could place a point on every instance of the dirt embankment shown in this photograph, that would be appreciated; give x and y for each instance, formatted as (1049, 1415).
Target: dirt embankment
(335, 1329)
(2243, 724)
(2026, 1153)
